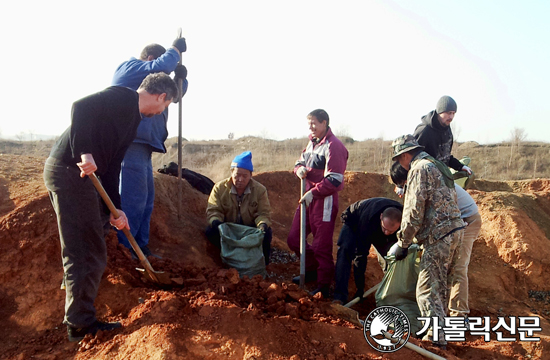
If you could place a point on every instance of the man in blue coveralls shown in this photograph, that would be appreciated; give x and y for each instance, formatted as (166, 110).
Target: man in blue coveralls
(137, 188)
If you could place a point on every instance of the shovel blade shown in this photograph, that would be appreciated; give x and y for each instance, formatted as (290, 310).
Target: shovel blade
(346, 313)
(159, 277)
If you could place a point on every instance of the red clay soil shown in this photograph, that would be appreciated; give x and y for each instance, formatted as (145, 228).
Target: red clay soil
(217, 315)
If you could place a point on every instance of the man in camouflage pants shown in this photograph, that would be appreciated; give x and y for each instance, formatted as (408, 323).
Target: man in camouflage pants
(431, 214)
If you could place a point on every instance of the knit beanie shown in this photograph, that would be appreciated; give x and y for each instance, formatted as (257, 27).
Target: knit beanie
(446, 103)
(243, 161)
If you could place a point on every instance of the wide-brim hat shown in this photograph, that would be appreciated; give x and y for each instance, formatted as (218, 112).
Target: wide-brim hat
(403, 144)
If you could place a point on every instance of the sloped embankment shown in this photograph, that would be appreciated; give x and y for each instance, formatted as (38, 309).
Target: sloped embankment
(216, 315)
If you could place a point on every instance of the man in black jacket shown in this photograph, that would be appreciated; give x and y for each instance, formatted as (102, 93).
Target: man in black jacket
(434, 133)
(103, 125)
(367, 222)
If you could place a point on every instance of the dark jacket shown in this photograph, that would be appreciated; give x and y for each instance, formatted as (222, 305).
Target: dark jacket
(437, 140)
(103, 124)
(363, 217)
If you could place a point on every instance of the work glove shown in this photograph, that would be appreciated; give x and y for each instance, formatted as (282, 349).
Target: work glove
(301, 172)
(306, 199)
(467, 169)
(401, 253)
(263, 227)
(180, 72)
(215, 224)
(399, 191)
(180, 44)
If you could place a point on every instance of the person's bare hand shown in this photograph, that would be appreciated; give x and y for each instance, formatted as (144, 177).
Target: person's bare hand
(121, 222)
(87, 165)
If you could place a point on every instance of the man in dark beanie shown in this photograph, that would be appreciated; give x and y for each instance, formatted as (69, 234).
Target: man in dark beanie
(434, 133)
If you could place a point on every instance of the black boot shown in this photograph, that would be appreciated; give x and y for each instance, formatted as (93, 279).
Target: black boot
(77, 334)
(323, 289)
(311, 276)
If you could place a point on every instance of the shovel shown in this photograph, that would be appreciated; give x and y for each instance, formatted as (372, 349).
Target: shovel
(302, 236)
(159, 277)
(180, 125)
(413, 347)
(348, 314)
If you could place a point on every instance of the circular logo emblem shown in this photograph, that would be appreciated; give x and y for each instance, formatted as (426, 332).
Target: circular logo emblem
(387, 329)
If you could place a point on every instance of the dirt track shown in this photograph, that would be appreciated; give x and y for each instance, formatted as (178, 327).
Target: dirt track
(216, 315)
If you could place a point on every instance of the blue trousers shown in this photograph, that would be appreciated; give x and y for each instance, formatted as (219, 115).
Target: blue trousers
(137, 192)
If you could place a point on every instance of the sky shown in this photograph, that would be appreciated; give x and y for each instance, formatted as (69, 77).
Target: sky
(259, 67)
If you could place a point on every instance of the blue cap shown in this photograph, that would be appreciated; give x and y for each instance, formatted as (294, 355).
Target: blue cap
(243, 161)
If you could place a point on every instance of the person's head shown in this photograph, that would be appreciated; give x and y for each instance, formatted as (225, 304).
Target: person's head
(156, 93)
(151, 52)
(398, 174)
(390, 220)
(241, 171)
(405, 148)
(446, 110)
(318, 121)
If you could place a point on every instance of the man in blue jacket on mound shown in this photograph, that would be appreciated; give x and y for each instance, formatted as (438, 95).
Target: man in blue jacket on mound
(137, 188)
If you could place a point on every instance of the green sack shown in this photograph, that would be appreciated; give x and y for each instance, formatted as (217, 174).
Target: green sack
(398, 287)
(462, 178)
(241, 248)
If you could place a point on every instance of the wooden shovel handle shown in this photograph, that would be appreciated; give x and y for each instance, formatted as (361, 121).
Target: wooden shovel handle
(101, 190)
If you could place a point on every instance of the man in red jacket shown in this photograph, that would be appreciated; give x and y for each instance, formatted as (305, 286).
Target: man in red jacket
(322, 164)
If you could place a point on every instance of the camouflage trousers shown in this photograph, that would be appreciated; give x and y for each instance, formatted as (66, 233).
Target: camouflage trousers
(435, 278)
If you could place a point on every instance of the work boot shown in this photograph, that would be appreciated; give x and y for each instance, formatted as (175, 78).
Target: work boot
(77, 334)
(339, 298)
(311, 276)
(442, 344)
(323, 289)
(359, 294)
(439, 345)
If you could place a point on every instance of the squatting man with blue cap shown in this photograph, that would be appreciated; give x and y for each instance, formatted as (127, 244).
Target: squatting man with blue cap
(241, 200)
(431, 215)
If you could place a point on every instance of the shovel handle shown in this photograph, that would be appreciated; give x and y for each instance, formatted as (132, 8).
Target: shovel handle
(180, 140)
(101, 190)
(302, 235)
(413, 347)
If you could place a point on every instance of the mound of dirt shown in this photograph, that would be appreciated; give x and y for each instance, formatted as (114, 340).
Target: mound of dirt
(217, 315)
